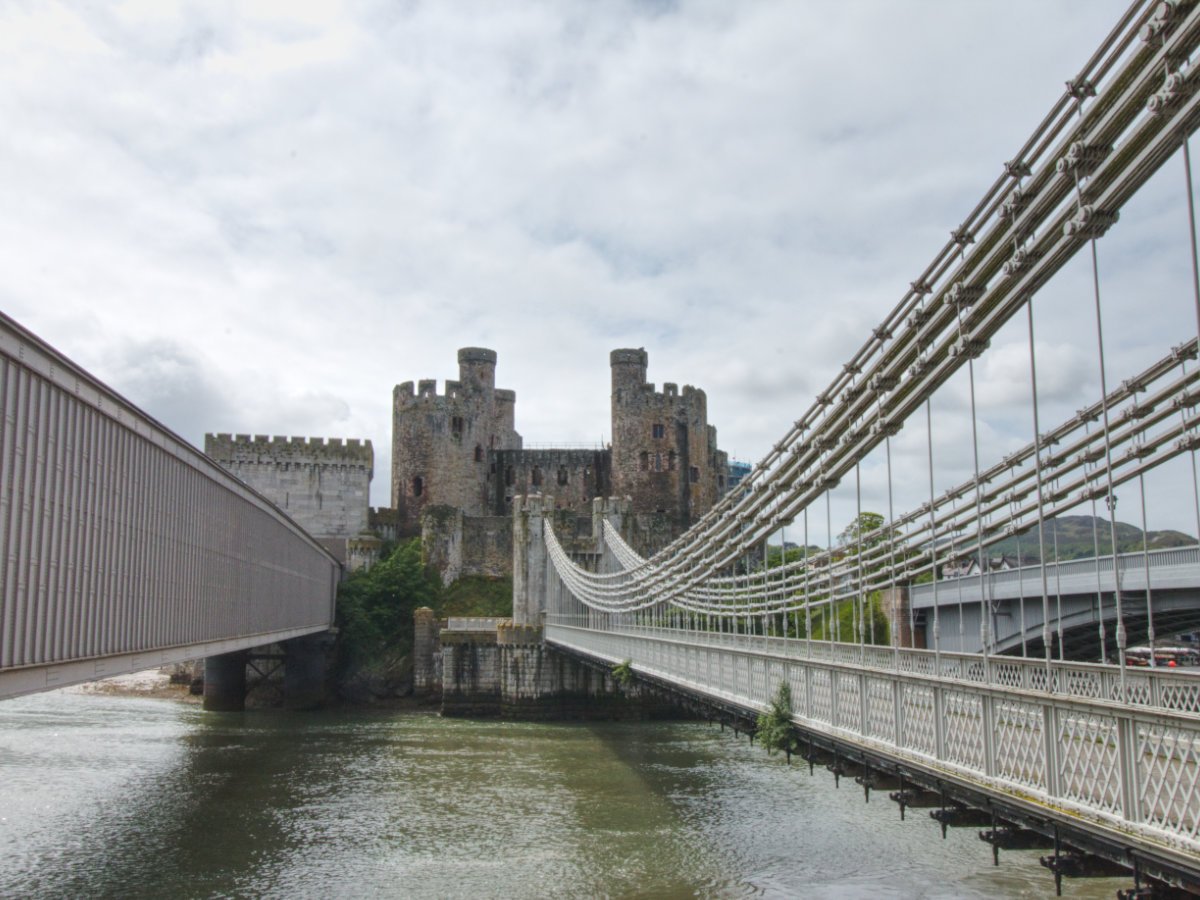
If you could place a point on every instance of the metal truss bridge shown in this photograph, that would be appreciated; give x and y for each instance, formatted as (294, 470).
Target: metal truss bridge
(122, 547)
(953, 411)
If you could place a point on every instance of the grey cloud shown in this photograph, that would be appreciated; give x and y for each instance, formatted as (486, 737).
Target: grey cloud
(308, 204)
(170, 383)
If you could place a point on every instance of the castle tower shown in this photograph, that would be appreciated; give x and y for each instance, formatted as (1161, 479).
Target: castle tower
(628, 371)
(664, 452)
(477, 370)
(441, 442)
(323, 484)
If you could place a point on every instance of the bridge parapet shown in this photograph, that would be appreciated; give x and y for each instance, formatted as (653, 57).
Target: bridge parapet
(124, 546)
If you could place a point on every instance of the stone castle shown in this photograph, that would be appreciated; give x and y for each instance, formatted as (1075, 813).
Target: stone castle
(458, 462)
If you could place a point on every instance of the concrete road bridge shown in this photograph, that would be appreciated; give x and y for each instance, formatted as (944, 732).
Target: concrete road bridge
(1159, 587)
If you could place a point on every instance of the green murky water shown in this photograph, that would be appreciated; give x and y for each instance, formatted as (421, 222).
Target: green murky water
(129, 797)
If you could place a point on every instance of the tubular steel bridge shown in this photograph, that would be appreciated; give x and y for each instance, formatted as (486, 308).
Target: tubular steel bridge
(1103, 757)
(122, 547)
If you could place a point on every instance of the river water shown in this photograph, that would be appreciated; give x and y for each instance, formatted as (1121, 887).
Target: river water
(104, 796)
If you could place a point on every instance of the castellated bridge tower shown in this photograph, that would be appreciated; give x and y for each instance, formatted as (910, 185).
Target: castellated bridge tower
(664, 452)
(441, 442)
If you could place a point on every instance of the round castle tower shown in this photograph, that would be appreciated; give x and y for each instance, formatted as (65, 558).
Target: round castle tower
(440, 442)
(664, 452)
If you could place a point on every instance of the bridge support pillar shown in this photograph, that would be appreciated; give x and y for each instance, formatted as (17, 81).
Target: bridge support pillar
(529, 560)
(304, 669)
(225, 682)
(894, 602)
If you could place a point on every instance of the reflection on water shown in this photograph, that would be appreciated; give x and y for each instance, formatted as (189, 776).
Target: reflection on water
(129, 797)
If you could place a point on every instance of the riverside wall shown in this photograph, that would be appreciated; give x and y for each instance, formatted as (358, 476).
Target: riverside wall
(509, 672)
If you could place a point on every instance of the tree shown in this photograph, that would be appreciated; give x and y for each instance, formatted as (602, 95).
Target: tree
(375, 608)
(861, 526)
(774, 727)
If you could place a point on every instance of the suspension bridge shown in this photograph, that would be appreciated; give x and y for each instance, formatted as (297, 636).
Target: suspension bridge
(1098, 755)
(124, 548)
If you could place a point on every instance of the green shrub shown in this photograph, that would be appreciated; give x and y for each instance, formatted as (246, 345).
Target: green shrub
(622, 673)
(476, 595)
(375, 608)
(774, 726)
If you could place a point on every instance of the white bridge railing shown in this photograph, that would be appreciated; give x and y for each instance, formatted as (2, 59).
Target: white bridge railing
(1126, 767)
(1175, 690)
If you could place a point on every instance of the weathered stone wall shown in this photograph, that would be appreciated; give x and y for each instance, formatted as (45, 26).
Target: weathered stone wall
(442, 541)
(470, 673)
(457, 545)
(384, 523)
(570, 478)
(647, 533)
(427, 653)
(362, 552)
(487, 546)
(323, 484)
(440, 442)
(664, 452)
(510, 672)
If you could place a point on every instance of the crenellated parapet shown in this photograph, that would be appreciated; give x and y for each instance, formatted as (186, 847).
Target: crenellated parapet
(512, 634)
(426, 393)
(259, 449)
(322, 483)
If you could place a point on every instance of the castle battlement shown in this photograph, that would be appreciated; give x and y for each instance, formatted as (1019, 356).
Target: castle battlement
(670, 391)
(259, 448)
(426, 389)
(322, 483)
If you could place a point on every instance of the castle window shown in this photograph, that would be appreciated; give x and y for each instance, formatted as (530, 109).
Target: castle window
(418, 486)
(721, 481)
(657, 462)
(456, 426)
(657, 430)
(508, 476)
(695, 474)
(644, 461)
(536, 476)
(671, 461)
(562, 475)
(478, 453)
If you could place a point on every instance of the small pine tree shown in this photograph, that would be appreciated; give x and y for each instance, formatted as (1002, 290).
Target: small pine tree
(775, 725)
(622, 673)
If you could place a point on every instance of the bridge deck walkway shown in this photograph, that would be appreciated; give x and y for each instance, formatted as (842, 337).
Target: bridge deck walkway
(1126, 772)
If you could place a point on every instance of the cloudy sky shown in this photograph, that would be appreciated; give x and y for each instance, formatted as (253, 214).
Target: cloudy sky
(259, 217)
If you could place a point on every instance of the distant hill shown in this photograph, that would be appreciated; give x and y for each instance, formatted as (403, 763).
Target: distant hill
(1075, 540)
